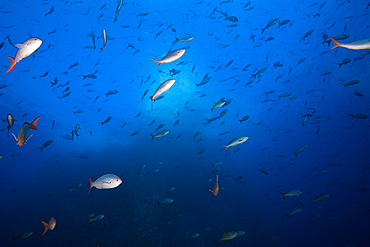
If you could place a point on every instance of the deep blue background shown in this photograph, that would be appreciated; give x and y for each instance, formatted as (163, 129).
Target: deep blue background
(336, 161)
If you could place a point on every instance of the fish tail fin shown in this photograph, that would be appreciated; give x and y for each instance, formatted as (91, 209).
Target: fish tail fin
(262, 30)
(40, 149)
(15, 137)
(241, 121)
(295, 153)
(84, 76)
(13, 239)
(187, 239)
(102, 123)
(225, 146)
(353, 116)
(287, 215)
(336, 43)
(89, 220)
(284, 195)
(313, 202)
(159, 202)
(34, 123)
(12, 64)
(46, 227)
(158, 63)
(70, 190)
(152, 136)
(217, 179)
(101, 49)
(90, 188)
(212, 109)
(152, 97)
(178, 41)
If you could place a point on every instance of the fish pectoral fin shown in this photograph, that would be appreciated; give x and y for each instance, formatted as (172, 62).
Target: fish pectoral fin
(20, 46)
(28, 137)
(15, 137)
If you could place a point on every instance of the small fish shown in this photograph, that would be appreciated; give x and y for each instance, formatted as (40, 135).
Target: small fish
(300, 149)
(97, 218)
(49, 226)
(228, 236)
(108, 181)
(50, 11)
(293, 212)
(236, 141)
(165, 201)
(10, 120)
(140, 169)
(46, 144)
(291, 193)
(75, 188)
(106, 120)
(119, 6)
(216, 188)
(160, 134)
(22, 235)
(104, 35)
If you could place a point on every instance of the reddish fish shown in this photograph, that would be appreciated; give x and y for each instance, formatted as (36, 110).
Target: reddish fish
(49, 226)
(22, 133)
(215, 189)
(24, 50)
(362, 44)
(10, 120)
(170, 57)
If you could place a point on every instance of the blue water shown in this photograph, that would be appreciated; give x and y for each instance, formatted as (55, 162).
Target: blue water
(34, 187)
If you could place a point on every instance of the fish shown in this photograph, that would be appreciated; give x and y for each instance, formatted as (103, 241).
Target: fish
(263, 171)
(291, 193)
(24, 50)
(197, 133)
(104, 35)
(228, 236)
(50, 11)
(10, 120)
(108, 181)
(300, 149)
(160, 134)
(112, 92)
(162, 88)
(65, 95)
(46, 144)
(201, 152)
(362, 44)
(97, 218)
(141, 169)
(135, 133)
(106, 120)
(359, 116)
(165, 201)
(218, 104)
(22, 133)
(145, 93)
(350, 83)
(192, 236)
(345, 61)
(75, 188)
(236, 141)
(245, 118)
(22, 235)
(293, 212)
(170, 57)
(49, 226)
(119, 6)
(270, 24)
(215, 188)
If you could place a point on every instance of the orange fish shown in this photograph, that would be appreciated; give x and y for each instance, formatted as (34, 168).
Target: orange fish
(50, 226)
(215, 189)
(24, 50)
(22, 133)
